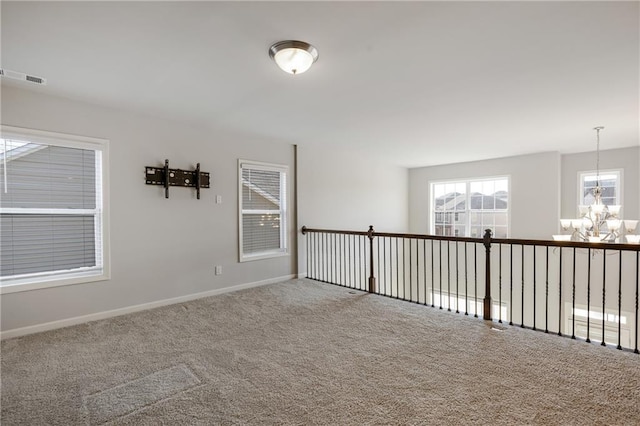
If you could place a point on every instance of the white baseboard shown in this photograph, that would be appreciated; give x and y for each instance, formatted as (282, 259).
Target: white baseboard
(23, 331)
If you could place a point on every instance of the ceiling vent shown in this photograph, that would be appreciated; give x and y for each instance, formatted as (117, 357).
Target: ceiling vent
(14, 75)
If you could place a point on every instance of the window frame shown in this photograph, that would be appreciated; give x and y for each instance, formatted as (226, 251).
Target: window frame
(583, 174)
(283, 250)
(102, 271)
(468, 182)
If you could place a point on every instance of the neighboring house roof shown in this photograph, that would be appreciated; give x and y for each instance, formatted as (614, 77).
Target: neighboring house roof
(454, 201)
(18, 149)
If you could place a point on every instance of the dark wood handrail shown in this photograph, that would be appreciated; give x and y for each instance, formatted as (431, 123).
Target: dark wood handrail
(516, 241)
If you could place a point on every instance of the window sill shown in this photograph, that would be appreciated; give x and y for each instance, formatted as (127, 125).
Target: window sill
(260, 256)
(38, 283)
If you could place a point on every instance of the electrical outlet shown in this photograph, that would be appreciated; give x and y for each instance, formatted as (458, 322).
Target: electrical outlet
(218, 199)
(218, 269)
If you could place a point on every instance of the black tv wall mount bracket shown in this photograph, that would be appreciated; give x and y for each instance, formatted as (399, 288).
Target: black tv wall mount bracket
(176, 177)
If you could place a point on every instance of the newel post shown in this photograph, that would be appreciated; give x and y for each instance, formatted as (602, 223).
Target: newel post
(372, 279)
(487, 280)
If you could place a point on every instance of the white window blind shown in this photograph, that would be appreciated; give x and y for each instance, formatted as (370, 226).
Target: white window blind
(263, 210)
(51, 211)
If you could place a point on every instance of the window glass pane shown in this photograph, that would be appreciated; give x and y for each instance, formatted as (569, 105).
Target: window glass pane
(42, 176)
(260, 232)
(476, 201)
(260, 189)
(476, 232)
(43, 243)
(466, 208)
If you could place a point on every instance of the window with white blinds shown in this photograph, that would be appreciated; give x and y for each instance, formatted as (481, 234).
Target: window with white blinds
(52, 220)
(262, 208)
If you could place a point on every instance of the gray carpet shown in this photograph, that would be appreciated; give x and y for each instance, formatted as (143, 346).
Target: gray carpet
(302, 353)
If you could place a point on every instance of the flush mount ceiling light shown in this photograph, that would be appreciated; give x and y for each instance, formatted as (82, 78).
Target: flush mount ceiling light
(292, 56)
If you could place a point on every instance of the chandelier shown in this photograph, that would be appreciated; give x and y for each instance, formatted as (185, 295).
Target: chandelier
(599, 222)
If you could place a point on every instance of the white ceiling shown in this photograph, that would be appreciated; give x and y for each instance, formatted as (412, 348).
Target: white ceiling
(419, 83)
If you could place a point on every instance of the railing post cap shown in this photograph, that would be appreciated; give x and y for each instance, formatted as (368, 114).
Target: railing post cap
(487, 238)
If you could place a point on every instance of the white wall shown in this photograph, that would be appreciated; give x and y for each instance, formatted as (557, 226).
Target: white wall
(534, 192)
(625, 159)
(342, 190)
(160, 248)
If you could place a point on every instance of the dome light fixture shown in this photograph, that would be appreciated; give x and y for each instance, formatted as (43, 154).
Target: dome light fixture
(293, 56)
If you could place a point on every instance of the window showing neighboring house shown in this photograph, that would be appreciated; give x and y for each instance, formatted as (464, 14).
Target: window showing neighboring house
(263, 210)
(466, 208)
(610, 182)
(52, 198)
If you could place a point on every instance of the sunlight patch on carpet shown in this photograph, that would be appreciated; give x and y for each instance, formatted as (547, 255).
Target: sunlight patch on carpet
(131, 396)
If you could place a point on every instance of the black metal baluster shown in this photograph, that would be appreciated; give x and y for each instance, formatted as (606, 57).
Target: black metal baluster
(457, 281)
(619, 296)
(308, 242)
(588, 295)
(604, 292)
(343, 261)
(500, 283)
(328, 258)
(411, 240)
(310, 266)
(433, 297)
(384, 265)
(573, 298)
(522, 293)
(331, 257)
(466, 280)
(404, 269)
(534, 287)
(560, 294)
(315, 255)
(448, 276)
(510, 284)
(337, 260)
(319, 256)
(397, 270)
(546, 293)
(325, 257)
(363, 262)
(440, 252)
(359, 280)
(354, 265)
(319, 266)
(379, 276)
(637, 291)
(349, 262)
(475, 273)
(424, 265)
